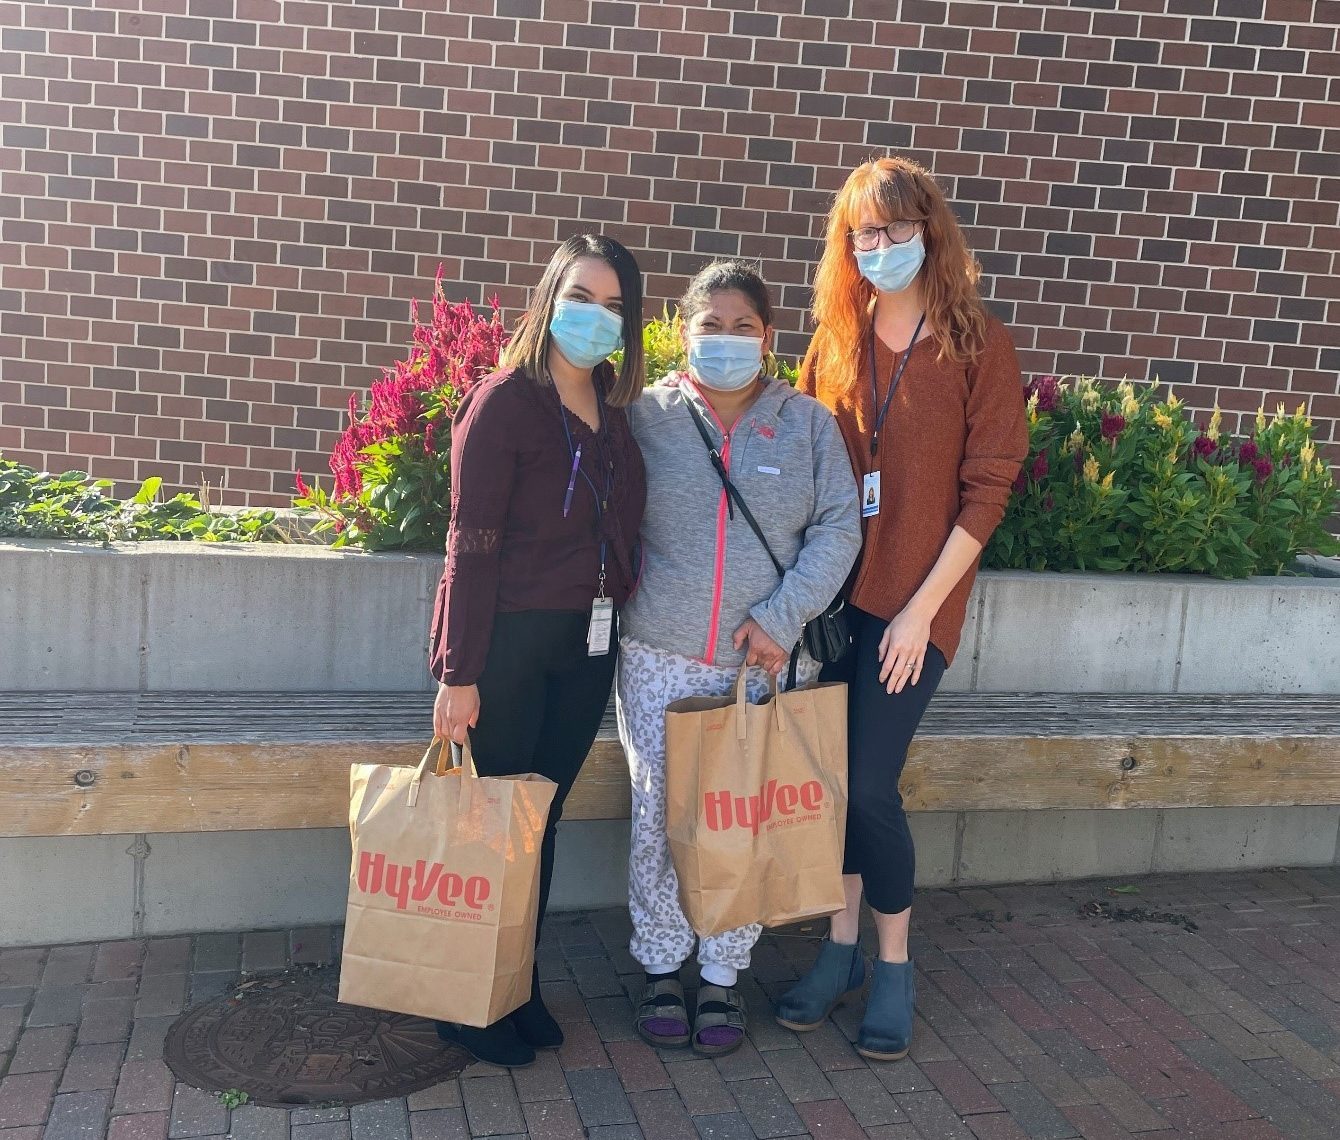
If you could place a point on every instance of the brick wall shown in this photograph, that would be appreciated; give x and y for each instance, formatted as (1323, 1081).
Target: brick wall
(216, 211)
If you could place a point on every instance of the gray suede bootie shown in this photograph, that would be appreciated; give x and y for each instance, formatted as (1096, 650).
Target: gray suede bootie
(886, 1031)
(838, 971)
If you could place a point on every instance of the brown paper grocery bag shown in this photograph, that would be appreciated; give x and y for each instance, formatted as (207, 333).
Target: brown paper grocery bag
(756, 805)
(443, 889)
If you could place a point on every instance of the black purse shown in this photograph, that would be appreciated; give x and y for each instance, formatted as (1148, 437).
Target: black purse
(826, 638)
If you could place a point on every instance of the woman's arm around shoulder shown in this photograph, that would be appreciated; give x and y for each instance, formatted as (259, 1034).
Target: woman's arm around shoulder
(997, 439)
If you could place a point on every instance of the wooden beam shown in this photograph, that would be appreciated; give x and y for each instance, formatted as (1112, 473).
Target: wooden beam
(118, 789)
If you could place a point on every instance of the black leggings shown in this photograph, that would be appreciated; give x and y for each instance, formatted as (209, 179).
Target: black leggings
(880, 727)
(541, 700)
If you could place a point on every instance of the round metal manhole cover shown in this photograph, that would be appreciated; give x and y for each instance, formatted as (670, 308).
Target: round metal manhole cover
(286, 1041)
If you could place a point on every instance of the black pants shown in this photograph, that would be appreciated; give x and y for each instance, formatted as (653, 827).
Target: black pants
(541, 700)
(880, 727)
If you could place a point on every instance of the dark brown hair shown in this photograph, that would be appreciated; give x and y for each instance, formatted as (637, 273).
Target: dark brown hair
(723, 277)
(529, 346)
(730, 276)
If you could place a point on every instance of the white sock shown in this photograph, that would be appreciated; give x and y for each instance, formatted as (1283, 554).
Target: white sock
(715, 974)
(663, 968)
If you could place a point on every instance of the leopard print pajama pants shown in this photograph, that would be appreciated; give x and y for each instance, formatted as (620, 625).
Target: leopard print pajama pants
(648, 680)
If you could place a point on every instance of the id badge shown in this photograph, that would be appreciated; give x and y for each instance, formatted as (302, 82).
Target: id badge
(870, 495)
(601, 630)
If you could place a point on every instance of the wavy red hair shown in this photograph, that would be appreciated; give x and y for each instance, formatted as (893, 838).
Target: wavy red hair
(896, 188)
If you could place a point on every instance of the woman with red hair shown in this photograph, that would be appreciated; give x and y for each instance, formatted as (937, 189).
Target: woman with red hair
(927, 393)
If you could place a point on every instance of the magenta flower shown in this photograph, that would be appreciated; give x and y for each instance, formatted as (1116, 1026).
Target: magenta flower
(1204, 447)
(1113, 425)
(1020, 484)
(1040, 467)
(1048, 391)
(1248, 452)
(1263, 467)
(449, 355)
(1049, 502)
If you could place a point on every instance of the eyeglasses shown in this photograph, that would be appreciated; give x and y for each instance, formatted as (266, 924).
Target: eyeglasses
(868, 238)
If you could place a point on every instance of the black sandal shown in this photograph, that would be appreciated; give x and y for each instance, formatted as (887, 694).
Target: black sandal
(662, 1015)
(719, 1021)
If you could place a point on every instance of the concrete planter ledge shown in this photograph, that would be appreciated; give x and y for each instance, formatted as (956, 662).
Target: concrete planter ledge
(180, 617)
(266, 617)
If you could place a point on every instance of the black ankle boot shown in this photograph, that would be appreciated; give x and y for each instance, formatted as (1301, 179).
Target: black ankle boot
(535, 1025)
(499, 1044)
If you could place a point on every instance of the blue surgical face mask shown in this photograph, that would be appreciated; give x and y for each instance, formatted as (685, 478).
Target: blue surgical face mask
(725, 363)
(893, 268)
(585, 334)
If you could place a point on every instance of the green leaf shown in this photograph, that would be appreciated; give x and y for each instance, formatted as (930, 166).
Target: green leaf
(148, 490)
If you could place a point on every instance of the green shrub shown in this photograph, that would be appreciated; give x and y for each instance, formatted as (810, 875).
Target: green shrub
(1119, 479)
(35, 504)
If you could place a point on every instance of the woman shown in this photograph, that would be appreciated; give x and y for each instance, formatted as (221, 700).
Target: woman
(927, 393)
(711, 600)
(547, 490)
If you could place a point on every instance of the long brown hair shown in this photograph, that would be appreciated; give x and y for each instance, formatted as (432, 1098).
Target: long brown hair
(896, 188)
(529, 346)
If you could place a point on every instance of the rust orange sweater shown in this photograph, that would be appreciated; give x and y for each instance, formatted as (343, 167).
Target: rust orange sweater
(950, 449)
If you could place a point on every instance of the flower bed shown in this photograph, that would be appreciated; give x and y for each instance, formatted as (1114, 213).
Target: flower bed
(1119, 478)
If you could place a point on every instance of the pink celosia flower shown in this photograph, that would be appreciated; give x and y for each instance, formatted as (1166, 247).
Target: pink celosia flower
(1113, 425)
(447, 357)
(1040, 467)
(1048, 391)
(1263, 467)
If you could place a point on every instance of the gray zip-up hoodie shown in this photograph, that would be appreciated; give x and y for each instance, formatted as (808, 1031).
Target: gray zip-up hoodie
(703, 572)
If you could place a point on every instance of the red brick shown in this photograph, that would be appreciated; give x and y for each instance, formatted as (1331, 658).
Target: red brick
(143, 1087)
(26, 1098)
(139, 1126)
(830, 1119)
(638, 1066)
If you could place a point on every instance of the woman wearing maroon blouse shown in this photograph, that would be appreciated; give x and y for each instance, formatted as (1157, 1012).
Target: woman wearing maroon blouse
(547, 492)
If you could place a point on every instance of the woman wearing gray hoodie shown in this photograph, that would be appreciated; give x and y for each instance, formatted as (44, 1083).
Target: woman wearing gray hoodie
(710, 600)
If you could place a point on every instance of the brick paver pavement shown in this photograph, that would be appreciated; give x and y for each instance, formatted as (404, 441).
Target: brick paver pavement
(1035, 1020)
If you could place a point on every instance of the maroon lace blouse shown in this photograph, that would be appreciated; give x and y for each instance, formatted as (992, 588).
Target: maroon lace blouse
(509, 546)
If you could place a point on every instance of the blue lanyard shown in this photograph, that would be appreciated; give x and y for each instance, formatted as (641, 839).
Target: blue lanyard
(882, 414)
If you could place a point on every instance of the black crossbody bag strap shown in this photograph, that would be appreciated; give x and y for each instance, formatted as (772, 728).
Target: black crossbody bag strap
(734, 497)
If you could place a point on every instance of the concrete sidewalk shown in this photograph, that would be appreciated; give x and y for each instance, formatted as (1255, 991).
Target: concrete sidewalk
(1210, 1008)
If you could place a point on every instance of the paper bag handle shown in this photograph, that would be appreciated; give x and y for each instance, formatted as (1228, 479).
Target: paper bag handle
(742, 702)
(459, 755)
